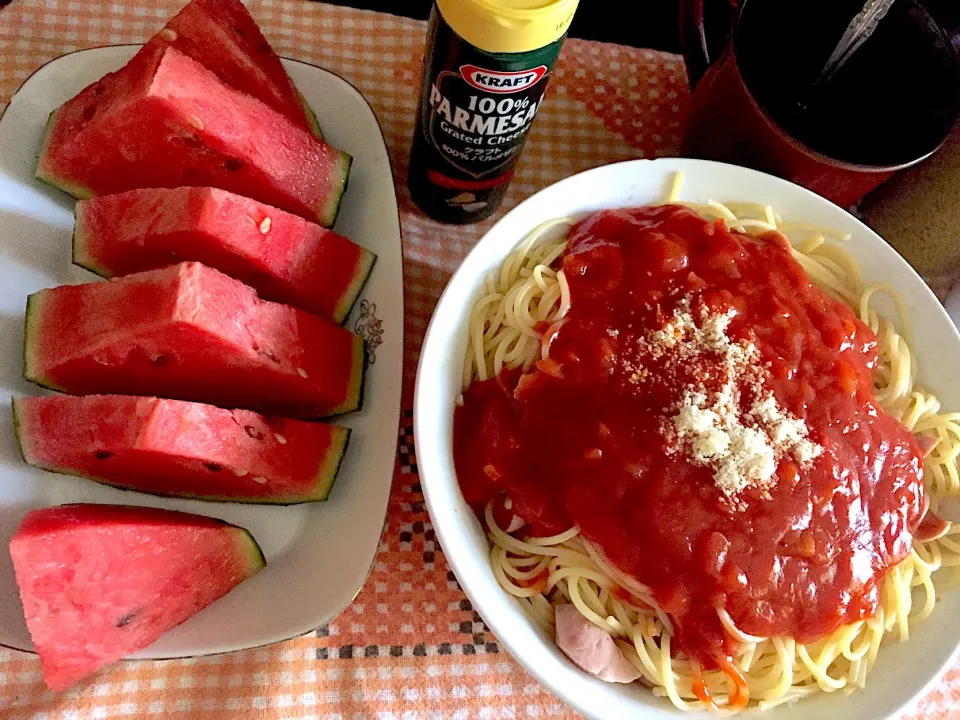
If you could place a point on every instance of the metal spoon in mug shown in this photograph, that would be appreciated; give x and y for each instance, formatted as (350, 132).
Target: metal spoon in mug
(858, 31)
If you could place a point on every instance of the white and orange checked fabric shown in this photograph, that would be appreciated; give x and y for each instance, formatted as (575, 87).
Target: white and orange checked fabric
(392, 655)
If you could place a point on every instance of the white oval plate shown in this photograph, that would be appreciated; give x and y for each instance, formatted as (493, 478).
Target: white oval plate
(318, 555)
(903, 669)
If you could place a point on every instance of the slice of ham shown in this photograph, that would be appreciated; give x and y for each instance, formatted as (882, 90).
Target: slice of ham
(931, 527)
(516, 522)
(934, 525)
(504, 516)
(927, 444)
(590, 648)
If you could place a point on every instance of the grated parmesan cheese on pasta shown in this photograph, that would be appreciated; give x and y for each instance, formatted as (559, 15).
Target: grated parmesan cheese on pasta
(735, 427)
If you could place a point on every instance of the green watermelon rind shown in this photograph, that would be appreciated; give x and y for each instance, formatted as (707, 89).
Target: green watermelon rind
(77, 191)
(15, 410)
(331, 469)
(350, 296)
(310, 115)
(256, 560)
(327, 215)
(323, 484)
(79, 242)
(358, 380)
(32, 316)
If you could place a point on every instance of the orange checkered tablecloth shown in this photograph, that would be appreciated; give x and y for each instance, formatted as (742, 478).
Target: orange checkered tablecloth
(410, 647)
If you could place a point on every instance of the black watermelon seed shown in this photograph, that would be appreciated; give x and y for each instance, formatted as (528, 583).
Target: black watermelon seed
(126, 619)
(102, 454)
(213, 467)
(233, 165)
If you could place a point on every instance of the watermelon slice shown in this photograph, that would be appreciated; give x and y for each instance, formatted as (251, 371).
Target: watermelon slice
(223, 37)
(166, 121)
(99, 582)
(191, 333)
(282, 256)
(183, 449)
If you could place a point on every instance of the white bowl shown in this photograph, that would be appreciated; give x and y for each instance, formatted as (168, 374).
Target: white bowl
(903, 670)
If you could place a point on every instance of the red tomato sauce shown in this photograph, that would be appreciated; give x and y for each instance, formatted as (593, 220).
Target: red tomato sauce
(574, 441)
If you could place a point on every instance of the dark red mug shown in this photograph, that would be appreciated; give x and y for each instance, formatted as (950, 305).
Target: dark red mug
(752, 67)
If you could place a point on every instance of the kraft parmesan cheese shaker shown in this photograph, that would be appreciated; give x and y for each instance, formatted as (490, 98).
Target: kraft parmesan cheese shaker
(487, 66)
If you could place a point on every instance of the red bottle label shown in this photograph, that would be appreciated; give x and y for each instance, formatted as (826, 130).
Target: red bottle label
(501, 82)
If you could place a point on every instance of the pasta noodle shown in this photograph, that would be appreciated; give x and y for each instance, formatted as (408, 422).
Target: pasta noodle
(524, 292)
(510, 327)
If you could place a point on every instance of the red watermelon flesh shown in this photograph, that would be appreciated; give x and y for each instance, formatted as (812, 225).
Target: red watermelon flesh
(191, 333)
(99, 582)
(182, 449)
(282, 256)
(223, 37)
(166, 121)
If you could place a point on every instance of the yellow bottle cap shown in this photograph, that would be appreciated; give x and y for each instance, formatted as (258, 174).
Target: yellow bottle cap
(508, 26)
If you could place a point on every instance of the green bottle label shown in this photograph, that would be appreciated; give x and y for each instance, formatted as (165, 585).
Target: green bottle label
(476, 109)
(477, 126)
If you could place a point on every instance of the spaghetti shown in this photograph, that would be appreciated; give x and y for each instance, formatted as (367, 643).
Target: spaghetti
(525, 293)
(512, 326)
